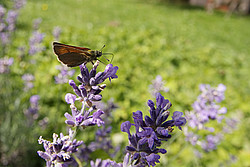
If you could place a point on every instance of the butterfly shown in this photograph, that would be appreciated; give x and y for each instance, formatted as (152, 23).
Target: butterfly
(73, 56)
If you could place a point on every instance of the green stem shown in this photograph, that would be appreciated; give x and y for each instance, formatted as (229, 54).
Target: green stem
(74, 133)
(73, 137)
(83, 107)
(77, 160)
(77, 128)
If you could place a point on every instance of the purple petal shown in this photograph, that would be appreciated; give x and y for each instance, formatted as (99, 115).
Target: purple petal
(44, 155)
(70, 98)
(152, 159)
(125, 127)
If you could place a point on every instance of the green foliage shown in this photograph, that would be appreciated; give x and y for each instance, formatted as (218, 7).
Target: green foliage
(185, 46)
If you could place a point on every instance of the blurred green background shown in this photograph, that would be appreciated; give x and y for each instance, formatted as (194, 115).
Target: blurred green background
(185, 45)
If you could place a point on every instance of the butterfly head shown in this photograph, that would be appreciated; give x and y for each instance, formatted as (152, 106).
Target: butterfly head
(98, 53)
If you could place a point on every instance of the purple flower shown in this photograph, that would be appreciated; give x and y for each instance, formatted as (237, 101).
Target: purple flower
(36, 23)
(151, 131)
(205, 109)
(34, 100)
(96, 119)
(5, 38)
(19, 3)
(82, 118)
(125, 127)
(32, 112)
(152, 159)
(8, 21)
(231, 124)
(36, 38)
(2, 26)
(70, 98)
(178, 119)
(211, 142)
(43, 123)
(90, 89)
(157, 86)
(93, 79)
(28, 81)
(191, 137)
(102, 140)
(11, 20)
(210, 94)
(5, 63)
(2, 12)
(65, 72)
(56, 32)
(59, 151)
(35, 42)
(107, 107)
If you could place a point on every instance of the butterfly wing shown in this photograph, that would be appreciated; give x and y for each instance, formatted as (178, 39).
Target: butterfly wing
(73, 59)
(60, 48)
(71, 55)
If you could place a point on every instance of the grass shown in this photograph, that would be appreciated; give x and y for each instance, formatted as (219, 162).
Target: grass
(186, 46)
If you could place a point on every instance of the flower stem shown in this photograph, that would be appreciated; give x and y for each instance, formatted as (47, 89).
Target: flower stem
(77, 160)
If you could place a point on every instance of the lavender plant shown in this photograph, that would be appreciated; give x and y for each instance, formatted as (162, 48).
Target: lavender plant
(18, 4)
(56, 33)
(5, 63)
(35, 42)
(36, 24)
(15, 117)
(7, 24)
(28, 81)
(144, 144)
(157, 86)
(91, 87)
(58, 152)
(102, 135)
(32, 112)
(8, 19)
(89, 115)
(205, 110)
(64, 74)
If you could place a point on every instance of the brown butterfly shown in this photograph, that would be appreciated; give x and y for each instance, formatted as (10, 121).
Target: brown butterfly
(73, 56)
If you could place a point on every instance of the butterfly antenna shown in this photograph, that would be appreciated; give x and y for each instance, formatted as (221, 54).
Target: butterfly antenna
(109, 54)
(102, 47)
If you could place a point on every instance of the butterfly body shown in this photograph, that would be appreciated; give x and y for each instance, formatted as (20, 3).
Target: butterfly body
(73, 56)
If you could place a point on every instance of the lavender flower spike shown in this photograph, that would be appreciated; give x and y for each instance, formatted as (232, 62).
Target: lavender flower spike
(56, 32)
(157, 86)
(5, 63)
(205, 109)
(59, 151)
(150, 132)
(91, 87)
(82, 118)
(64, 74)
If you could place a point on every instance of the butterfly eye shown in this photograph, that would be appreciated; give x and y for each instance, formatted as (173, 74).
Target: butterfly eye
(99, 54)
